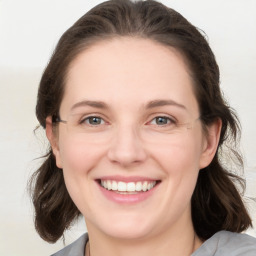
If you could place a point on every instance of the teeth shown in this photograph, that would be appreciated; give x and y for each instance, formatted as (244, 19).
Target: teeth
(138, 186)
(144, 186)
(109, 184)
(130, 187)
(121, 186)
(114, 185)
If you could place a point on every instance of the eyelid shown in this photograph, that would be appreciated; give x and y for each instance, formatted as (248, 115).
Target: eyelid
(91, 115)
(156, 115)
(87, 120)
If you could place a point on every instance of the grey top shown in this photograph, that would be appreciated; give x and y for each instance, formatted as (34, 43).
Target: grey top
(226, 243)
(223, 243)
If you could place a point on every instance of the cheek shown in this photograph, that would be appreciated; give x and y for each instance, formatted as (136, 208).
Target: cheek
(78, 157)
(78, 160)
(182, 155)
(181, 163)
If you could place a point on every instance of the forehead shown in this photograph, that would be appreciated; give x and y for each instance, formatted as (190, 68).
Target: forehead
(126, 69)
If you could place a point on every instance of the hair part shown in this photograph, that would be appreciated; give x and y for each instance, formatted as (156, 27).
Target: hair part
(216, 202)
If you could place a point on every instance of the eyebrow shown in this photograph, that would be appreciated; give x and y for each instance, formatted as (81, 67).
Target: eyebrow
(90, 103)
(103, 105)
(160, 103)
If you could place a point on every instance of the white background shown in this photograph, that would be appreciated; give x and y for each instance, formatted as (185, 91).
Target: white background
(29, 30)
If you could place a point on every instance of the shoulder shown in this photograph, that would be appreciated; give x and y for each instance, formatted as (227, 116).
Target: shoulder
(228, 243)
(77, 248)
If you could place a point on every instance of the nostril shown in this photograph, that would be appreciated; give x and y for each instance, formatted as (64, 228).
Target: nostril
(126, 147)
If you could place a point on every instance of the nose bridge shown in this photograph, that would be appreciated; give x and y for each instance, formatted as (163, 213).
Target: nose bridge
(126, 146)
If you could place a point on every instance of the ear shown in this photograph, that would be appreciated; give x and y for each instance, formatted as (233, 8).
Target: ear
(210, 143)
(53, 139)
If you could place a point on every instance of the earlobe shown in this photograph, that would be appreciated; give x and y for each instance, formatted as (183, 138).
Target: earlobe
(211, 143)
(52, 137)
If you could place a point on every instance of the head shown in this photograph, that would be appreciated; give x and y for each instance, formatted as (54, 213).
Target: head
(214, 202)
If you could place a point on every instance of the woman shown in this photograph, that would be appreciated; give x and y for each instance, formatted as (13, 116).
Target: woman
(132, 108)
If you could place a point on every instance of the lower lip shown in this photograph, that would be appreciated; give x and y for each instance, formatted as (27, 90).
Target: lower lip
(126, 198)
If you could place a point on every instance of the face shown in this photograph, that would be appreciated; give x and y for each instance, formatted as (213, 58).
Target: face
(133, 145)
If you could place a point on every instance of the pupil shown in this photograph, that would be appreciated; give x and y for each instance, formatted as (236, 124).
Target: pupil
(94, 120)
(161, 120)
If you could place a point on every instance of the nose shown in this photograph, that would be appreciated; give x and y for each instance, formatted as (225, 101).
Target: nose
(126, 147)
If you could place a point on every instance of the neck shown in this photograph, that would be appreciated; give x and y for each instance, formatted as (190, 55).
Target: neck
(177, 242)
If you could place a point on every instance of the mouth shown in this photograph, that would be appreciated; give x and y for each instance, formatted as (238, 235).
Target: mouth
(122, 187)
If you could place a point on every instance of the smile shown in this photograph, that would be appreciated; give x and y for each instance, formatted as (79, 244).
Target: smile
(128, 187)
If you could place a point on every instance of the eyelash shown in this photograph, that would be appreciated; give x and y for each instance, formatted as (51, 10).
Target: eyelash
(170, 120)
(86, 120)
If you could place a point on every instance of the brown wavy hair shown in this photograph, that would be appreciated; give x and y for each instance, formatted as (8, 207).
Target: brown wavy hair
(216, 202)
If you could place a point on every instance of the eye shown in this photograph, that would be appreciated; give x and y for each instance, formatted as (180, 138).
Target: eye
(93, 121)
(161, 120)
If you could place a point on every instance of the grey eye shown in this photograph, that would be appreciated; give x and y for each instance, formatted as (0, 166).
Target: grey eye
(94, 120)
(161, 120)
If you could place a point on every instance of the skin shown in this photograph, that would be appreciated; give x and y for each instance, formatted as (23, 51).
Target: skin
(127, 74)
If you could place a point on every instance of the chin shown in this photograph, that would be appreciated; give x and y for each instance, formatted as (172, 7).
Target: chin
(131, 233)
(126, 228)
